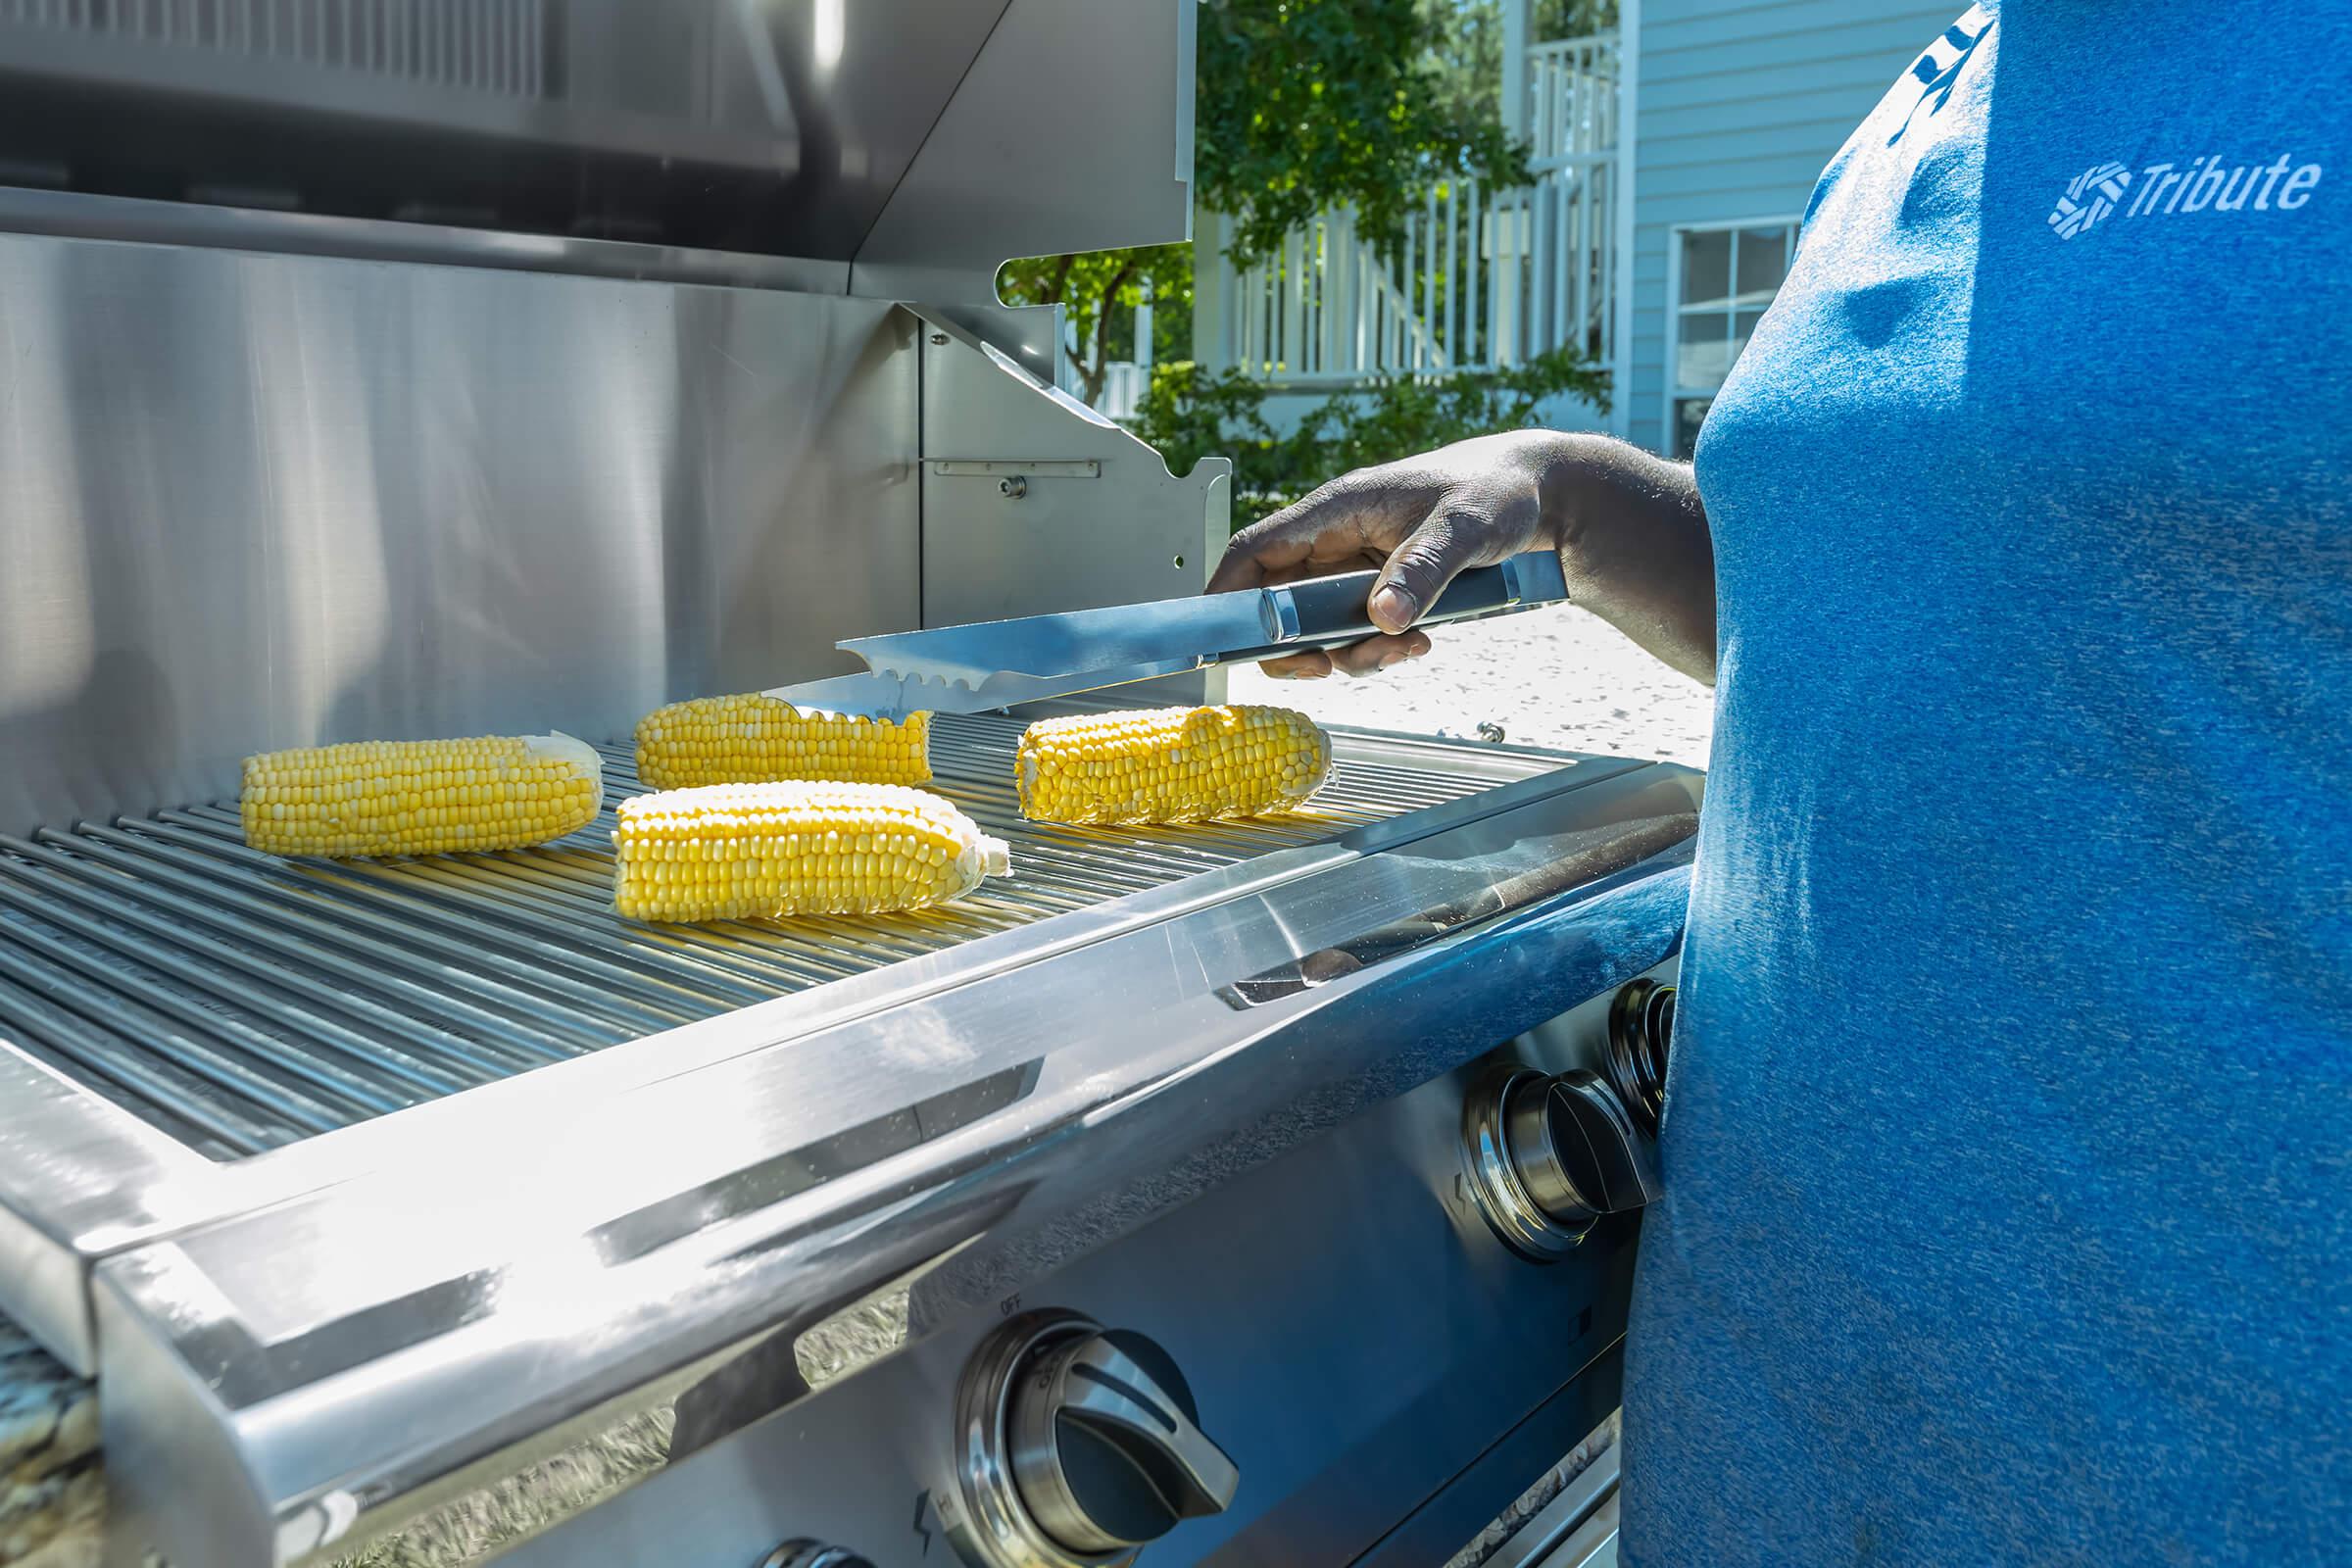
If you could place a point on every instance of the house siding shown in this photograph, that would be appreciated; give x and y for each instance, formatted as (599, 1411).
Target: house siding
(1739, 106)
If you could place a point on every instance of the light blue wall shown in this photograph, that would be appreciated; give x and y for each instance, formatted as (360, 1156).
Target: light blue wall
(1741, 103)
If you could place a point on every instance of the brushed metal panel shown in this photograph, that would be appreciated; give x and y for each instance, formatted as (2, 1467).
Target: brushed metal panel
(1072, 130)
(1357, 1340)
(1055, 537)
(78, 1176)
(259, 501)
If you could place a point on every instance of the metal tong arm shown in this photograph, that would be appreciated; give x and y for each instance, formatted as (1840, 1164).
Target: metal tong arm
(1332, 611)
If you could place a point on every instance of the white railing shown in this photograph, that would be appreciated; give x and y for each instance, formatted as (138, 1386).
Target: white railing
(1124, 383)
(1479, 280)
(1572, 101)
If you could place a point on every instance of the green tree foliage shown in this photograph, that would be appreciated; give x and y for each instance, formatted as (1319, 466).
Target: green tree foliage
(1098, 293)
(1308, 104)
(1304, 105)
(1190, 413)
(1465, 42)
(1300, 105)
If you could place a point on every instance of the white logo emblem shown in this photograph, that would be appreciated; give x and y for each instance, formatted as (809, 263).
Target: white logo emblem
(2089, 196)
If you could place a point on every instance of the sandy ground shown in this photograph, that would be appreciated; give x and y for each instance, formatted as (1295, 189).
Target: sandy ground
(1557, 677)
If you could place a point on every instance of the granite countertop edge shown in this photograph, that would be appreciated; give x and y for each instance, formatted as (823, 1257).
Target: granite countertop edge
(52, 1477)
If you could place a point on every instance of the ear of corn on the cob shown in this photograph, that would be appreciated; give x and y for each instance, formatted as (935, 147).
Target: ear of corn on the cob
(730, 852)
(752, 738)
(1181, 764)
(379, 798)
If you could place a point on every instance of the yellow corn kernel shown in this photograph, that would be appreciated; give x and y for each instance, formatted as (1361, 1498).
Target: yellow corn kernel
(379, 798)
(1170, 764)
(752, 738)
(738, 852)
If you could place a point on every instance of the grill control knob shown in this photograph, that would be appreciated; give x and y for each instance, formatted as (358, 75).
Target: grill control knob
(1547, 1157)
(1641, 1028)
(1079, 1444)
(813, 1554)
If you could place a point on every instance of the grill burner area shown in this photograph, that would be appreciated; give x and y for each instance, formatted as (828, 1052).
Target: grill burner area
(239, 1002)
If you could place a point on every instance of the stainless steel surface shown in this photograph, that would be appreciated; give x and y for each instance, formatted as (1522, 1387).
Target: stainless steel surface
(1104, 1450)
(397, 1196)
(1138, 533)
(593, 117)
(1354, 1397)
(874, 695)
(1570, 1530)
(485, 46)
(1592, 1544)
(905, 142)
(1030, 659)
(239, 1002)
(483, 1273)
(77, 1178)
(1071, 130)
(264, 501)
(1187, 629)
(81, 215)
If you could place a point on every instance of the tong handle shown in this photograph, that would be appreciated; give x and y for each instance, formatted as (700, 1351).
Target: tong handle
(1330, 612)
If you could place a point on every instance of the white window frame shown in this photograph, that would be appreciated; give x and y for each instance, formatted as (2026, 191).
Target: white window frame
(1671, 371)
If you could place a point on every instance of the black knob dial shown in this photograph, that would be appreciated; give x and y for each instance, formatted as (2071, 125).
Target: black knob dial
(1575, 1149)
(1547, 1157)
(813, 1554)
(1106, 1447)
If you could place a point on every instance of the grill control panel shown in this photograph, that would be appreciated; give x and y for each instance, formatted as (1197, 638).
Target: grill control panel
(1547, 1154)
(1333, 1339)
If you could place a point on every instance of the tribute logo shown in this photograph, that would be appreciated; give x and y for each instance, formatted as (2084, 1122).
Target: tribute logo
(2164, 190)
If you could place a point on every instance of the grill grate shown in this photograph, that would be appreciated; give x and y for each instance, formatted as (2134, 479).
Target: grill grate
(240, 1002)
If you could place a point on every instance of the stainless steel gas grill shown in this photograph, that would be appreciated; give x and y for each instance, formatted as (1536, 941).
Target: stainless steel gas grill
(1260, 1193)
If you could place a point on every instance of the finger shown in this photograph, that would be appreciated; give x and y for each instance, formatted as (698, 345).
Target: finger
(1313, 664)
(1375, 653)
(1450, 539)
(1346, 518)
(1362, 560)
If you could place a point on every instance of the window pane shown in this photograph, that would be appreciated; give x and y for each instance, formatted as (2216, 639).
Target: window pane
(1706, 266)
(1763, 263)
(1689, 415)
(1704, 355)
(1744, 328)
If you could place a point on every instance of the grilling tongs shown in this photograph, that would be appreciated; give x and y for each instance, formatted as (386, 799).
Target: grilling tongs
(998, 664)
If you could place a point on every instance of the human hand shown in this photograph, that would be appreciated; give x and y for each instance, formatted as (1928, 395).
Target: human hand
(1419, 522)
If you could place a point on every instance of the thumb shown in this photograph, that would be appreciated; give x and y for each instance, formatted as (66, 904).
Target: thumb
(1418, 570)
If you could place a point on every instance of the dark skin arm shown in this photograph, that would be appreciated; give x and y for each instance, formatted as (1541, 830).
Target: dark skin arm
(1632, 536)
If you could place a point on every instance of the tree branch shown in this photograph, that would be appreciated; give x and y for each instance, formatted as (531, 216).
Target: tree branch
(1095, 374)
